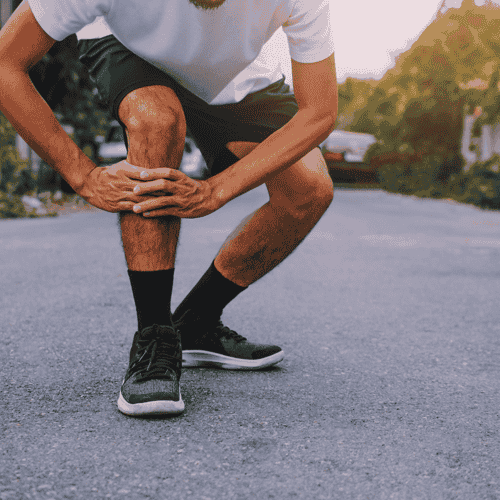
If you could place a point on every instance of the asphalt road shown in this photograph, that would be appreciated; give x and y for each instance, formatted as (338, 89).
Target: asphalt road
(389, 317)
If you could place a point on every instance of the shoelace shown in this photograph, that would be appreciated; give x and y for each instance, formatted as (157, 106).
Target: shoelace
(160, 361)
(224, 331)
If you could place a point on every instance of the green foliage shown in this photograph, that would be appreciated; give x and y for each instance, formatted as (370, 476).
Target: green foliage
(416, 110)
(479, 186)
(417, 178)
(16, 177)
(12, 207)
(421, 100)
(16, 180)
(392, 177)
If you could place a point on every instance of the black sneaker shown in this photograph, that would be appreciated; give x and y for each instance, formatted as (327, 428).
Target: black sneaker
(151, 384)
(222, 347)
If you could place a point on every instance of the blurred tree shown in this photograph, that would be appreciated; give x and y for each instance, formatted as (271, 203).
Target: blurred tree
(16, 176)
(416, 110)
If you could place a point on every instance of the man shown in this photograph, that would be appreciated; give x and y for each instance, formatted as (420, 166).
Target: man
(162, 66)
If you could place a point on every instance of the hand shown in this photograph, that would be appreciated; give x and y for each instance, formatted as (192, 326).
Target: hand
(174, 193)
(111, 188)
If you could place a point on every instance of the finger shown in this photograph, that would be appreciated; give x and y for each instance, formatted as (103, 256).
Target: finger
(125, 162)
(126, 206)
(137, 200)
(161, 173)
(127, 195)
(126, 186)
(133, 174)
(161, 212)
(153, 203)
(153, 186)
(131, 171)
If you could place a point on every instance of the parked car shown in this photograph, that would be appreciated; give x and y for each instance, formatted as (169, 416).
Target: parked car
(193, 164)
(113, 150)
(344, 154)
(352, 145)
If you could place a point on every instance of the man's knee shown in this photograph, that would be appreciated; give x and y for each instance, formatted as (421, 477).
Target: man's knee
(319, 196)
(305, 190)
(153, 118)
(320, 192)
(324, 192)
(313, 201)
(152, 109)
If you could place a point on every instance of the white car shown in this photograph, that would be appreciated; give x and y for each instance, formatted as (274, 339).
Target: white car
(352, 145)
(193, 164)
(113, 149)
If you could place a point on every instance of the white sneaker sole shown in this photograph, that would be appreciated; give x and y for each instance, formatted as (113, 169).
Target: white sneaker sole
(192, 359)
(151, 407)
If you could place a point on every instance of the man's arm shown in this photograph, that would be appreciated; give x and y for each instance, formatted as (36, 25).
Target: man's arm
(315, 87)
(22, 44)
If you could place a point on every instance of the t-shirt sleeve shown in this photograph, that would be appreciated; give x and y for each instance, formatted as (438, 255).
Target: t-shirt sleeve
(61, 18)
(309, 30)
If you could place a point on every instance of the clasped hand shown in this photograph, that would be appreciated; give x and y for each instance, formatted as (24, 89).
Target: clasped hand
(153, 193)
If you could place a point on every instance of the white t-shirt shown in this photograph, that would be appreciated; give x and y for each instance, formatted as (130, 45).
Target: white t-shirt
(212, 53)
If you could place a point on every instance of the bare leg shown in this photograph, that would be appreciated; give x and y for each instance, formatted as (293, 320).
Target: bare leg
(156, 130)
(298, 198)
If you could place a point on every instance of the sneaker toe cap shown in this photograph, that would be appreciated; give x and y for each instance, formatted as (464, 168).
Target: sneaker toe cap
(150, 390)
(264, 351)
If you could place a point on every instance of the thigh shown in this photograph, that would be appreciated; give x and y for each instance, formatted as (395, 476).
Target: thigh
(116, 72)
(251, 120)
(141, 97)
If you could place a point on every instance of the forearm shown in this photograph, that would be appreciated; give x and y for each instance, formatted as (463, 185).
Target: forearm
(306, 130)
(33, 119)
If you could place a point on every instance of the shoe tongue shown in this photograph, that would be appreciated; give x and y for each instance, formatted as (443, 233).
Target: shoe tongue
(149, 333)
(158, 332)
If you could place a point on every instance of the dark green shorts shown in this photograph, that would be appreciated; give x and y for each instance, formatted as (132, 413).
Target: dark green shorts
(116, 72)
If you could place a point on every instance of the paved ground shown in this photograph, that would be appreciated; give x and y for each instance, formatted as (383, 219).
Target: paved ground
(389, 317)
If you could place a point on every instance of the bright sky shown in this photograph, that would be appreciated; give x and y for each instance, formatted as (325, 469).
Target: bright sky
(369, 34)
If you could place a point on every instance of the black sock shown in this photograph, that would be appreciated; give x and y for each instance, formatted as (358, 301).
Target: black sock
(209, 296)
(152, 292)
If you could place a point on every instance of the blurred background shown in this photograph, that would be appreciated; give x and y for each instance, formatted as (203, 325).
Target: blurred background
(419, 108)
